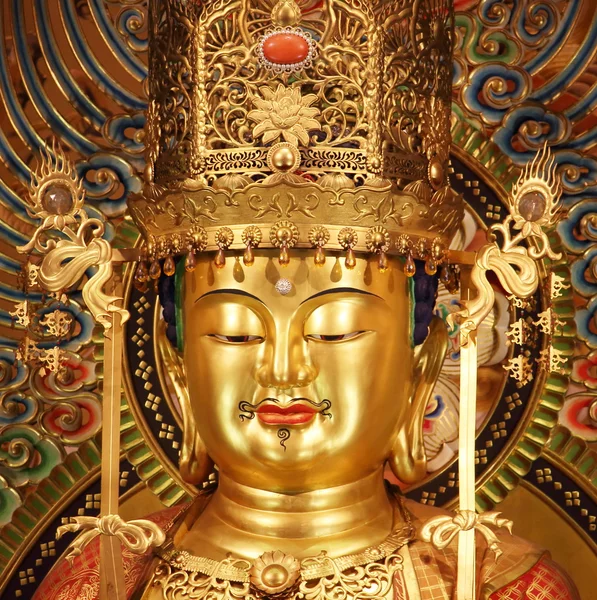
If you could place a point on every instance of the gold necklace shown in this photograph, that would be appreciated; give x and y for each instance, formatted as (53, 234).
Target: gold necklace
(367, 575)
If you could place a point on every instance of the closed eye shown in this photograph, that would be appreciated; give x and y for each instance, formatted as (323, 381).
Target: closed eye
(236, 339)
(334, 338)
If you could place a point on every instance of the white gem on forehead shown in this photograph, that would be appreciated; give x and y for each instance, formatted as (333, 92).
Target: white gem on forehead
(283, 286)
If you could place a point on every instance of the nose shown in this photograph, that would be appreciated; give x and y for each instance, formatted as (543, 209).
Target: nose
(285, 362)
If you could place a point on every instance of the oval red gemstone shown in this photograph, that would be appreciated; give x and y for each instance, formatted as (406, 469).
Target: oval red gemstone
(285, 48)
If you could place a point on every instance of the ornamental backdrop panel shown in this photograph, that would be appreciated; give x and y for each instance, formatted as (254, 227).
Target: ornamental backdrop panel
(525, 74)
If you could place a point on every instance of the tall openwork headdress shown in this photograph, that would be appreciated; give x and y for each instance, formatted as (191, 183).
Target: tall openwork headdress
(307, 124)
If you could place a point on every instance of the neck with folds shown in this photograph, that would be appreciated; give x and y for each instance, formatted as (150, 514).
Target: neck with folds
(246, 522)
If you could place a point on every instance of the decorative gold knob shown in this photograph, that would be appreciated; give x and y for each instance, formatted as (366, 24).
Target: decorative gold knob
(274, 572)
(286, 13)
(284, 158)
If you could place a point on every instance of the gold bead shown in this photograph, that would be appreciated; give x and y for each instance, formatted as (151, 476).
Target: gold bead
(220, 260)
(410, 268)
(383, 262)
(283, 234)
(351, 259)
(319, 256)
(286, 13)
(283, 159)
(274, 576)
(169, 266)
(375, 163)
(248, 256)
(190, 262)
(437, 174)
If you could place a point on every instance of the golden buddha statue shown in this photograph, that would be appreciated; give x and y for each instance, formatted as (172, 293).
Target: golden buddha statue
(303, 382)
(296, 219)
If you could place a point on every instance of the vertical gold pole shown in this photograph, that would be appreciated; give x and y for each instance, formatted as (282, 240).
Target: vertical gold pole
(111, 567)
(466, 576)
(466, 584)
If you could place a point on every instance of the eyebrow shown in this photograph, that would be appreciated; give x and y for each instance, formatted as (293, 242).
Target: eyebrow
(341, 290)
(230, 291)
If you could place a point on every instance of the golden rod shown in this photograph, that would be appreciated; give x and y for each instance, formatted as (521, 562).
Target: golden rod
(465, 589)
(112, 570)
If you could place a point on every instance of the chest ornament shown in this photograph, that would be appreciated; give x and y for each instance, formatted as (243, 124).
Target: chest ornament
(368, 575)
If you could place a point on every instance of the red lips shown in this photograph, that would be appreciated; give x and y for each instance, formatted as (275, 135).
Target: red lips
(295, 414)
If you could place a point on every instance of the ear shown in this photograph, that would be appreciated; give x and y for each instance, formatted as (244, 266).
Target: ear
(195, 465)
(407, 459)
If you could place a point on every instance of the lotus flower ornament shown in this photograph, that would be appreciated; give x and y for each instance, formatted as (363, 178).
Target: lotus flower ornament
(284, 113)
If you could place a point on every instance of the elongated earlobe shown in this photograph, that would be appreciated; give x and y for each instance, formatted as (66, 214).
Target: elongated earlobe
(195, 465)
(408, 464)
(407, 458)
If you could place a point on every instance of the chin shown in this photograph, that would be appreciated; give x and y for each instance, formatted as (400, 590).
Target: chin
(287, 449)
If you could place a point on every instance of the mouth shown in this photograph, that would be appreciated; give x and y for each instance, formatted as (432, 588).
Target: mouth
(271, 412)
(295, 414)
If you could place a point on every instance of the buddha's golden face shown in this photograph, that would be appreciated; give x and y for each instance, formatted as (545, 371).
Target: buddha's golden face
(303, 390)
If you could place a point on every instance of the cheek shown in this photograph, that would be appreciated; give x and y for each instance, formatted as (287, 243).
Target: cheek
(366, 377)
(220, 377)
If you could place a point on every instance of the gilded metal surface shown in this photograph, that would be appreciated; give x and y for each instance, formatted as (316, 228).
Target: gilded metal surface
(65, 261)
(57, 198)
(230, 101)
(227, 137)
(442, 531)
(514, 264)
(306, 204)
(138, 535)
(373, 581)
(366, 574)
(276, 327)
(542, 59)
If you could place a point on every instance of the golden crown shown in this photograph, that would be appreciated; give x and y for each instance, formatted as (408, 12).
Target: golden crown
(309, 123)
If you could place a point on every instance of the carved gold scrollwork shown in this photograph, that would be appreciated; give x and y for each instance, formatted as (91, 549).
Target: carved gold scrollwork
(67, 264)
(533, 206)
(382, 211)
(57, 198)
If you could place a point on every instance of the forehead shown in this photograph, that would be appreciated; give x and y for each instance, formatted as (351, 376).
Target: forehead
(304, 277)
